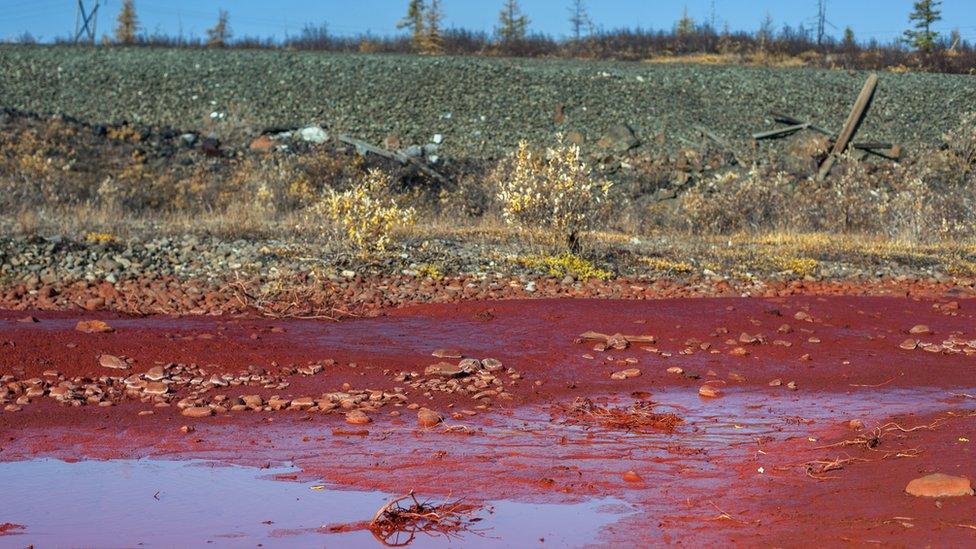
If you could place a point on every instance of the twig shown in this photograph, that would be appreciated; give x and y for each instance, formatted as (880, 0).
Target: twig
(872, 386)
(725, 516)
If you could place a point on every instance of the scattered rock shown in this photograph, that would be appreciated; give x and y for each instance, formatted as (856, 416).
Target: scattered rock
(803, 316)
(939, 485)
(631, 476)
(263, 144)
(618, 342)
(855, 425)
(709, 391)
(920, 329)
(93, 327)
(27, 320)
(428, 418)
(156, 373)
(357, 417)
(909, 344)
(447, 353)
(618, 139)
(313, 134)
(445, 369)
(112, 361)
(252, 401)
(156, 388)
(492, 364)
(749, 339)
(675, 370)
(198, 411)
(626, 374)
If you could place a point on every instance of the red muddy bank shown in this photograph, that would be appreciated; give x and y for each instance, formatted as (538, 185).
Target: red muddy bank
(370, 295)
(819, 402)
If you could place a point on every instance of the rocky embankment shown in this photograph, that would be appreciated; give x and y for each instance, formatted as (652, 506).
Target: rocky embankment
(481, 107)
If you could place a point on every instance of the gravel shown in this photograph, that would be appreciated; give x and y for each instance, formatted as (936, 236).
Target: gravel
(480, 106)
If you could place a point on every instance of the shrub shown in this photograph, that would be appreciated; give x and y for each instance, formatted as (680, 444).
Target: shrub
(565, 264)
(555, 190)
(364, 214)
(735, 201)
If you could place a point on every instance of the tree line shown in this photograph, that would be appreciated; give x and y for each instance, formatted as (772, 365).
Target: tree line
(921, 47)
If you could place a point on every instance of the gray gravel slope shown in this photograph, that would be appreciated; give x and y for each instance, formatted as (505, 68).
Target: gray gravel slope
(481, 106)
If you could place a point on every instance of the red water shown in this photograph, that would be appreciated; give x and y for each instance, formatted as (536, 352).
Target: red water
(732, 473)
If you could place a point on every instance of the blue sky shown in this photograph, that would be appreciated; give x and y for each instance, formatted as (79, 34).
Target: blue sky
(881, 19)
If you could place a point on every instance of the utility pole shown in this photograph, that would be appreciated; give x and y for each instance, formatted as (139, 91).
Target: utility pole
(712, 17)
(821, 21)
(86, 19)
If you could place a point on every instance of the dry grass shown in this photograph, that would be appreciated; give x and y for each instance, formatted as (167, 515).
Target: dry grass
(637, 418)
(920, 214)
(396, 524)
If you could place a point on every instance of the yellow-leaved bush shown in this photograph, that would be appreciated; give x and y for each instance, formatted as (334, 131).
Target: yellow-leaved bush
(554, 190)
(365, 214)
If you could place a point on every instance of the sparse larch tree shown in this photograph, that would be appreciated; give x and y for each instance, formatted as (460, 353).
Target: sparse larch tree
(685, 25)
(127, 24)
(766, 32)
(849, 42)
(926, 13)
(579, 19)
(512, 23)
(416, 21)
(434, 43)
(219, 34)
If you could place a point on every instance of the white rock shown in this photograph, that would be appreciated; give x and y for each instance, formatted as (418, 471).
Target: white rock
(313, 134)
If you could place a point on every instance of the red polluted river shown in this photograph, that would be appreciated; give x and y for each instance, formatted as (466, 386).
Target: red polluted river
(767, 422)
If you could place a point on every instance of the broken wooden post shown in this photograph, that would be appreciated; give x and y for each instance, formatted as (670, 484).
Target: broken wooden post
(851, 126)
(399, 156)
(781, 132)
(786, 119)
(719, 141)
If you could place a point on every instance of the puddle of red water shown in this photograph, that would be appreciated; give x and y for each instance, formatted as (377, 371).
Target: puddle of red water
(155, 503)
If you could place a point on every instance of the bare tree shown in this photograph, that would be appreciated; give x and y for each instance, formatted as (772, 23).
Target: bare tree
(685, 25)
(579, 19)
(219, 34)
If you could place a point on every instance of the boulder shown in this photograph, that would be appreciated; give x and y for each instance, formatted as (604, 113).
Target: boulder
(113, 362)
(313, 134)
(428, 418)
(618, 139)
(262, 144)
(939, 485)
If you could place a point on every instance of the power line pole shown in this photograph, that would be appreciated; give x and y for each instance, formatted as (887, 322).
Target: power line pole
(712, 16)
(821, 21)
(86, 19)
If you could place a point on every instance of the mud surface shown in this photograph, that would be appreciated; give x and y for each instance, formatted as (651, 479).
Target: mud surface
(821, 402)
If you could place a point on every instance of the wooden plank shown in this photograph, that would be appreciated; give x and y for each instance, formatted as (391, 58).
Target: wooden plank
(780, 132)
(393, 155)
(787, 119)
(871, 145)
(851, 126)
(719, 141)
